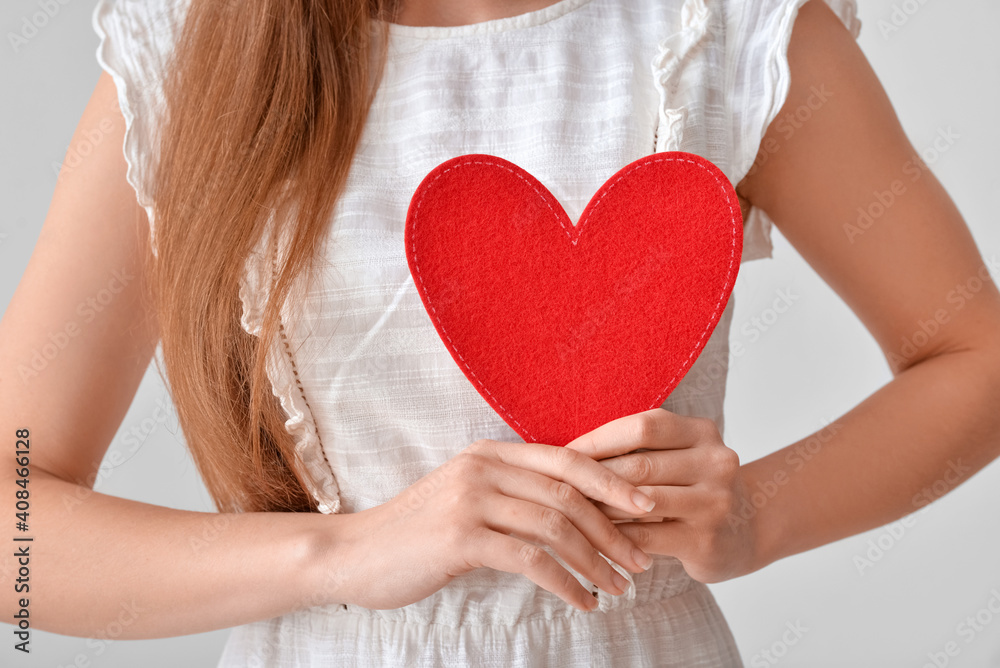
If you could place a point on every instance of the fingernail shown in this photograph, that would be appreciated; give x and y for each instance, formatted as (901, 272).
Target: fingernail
(642, 502)
(619, 581)
(641, 558)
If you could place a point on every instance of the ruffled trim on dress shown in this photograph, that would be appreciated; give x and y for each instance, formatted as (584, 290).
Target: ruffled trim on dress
(847, 12)
(757, 226)
(135, 41)
(671, 52)
(114, 63)
(255, 287)
(757, 235)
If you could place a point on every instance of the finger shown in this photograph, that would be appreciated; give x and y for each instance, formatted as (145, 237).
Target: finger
(659, 467)
(512, 555)
(579, 470)
(595, 526)
(673, 502)
(541, 524)
(675, 539)
(655, 429)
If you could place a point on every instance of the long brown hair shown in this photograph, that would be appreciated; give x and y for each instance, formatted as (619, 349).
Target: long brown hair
(265, 104)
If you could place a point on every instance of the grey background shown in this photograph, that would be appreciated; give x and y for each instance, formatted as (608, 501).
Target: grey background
(941, 69)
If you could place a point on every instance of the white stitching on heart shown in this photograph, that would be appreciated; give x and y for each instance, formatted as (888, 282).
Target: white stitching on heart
(579, 231)
(416, 265)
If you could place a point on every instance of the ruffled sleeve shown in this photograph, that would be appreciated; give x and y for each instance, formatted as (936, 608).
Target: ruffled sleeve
(757, 36)
(136, 40)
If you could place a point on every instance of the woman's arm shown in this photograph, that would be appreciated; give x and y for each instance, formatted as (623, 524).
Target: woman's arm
(97, 559)
(103, 566)
(912, 274)
(847, 190)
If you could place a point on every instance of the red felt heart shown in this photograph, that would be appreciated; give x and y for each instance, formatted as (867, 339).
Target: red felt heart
(562, 328)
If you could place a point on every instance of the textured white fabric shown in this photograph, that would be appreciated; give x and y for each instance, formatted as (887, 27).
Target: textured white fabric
(572, 93)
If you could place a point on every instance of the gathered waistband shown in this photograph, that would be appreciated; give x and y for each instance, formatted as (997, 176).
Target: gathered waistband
(486, 597)
(684, 628)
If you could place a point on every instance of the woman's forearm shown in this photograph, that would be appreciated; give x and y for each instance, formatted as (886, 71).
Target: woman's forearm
(934, 425)
(102, 566)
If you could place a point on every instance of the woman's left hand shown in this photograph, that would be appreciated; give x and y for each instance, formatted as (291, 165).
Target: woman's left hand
(695, 481)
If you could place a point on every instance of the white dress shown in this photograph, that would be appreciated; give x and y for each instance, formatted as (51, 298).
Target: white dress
(572, 93)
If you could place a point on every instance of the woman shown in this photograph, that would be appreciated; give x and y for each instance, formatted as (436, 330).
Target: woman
(411, 558)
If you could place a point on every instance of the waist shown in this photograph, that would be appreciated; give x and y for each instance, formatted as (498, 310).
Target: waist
(487, 597)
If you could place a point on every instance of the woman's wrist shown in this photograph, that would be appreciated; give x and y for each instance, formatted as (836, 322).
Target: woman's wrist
(756, 515)
(328, 560)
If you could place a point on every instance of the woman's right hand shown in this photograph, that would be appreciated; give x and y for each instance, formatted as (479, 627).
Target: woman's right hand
(461, 515)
